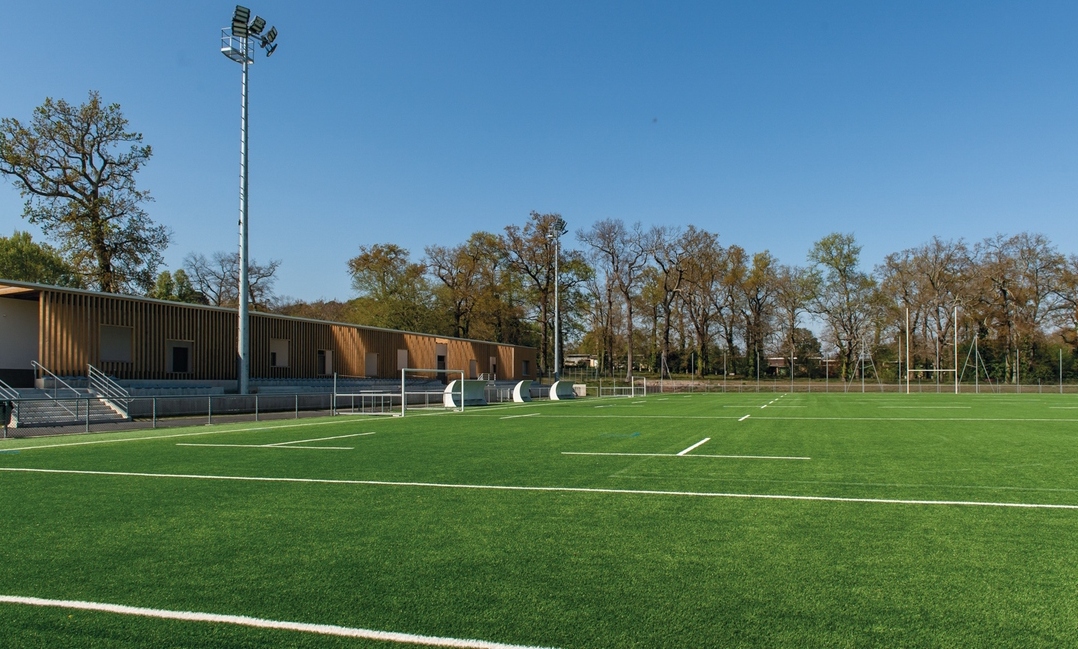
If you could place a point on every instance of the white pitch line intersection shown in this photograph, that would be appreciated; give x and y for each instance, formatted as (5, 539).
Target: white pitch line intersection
(695, 446)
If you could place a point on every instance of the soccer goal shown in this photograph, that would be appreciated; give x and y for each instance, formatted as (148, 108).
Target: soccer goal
(635, 387)
(359, 395)
(422, 389)
(415, 389)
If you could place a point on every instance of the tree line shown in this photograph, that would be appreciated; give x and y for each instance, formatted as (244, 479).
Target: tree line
(667, 299)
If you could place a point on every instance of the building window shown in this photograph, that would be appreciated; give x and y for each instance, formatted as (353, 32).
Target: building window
(402, 359)
(325, 362)
(115, 344)
(525, 368)
(278, 352)
(178, 356)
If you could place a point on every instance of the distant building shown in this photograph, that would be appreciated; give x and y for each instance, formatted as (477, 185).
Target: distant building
(143, 340)
(581, 360)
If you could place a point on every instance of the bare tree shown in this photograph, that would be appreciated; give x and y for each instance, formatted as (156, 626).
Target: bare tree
(794, 288)
(217, 278)
(667, 248)
(702, 295)
(624, 253)
(845, 296)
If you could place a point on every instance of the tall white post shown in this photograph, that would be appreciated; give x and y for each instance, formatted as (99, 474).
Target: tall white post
(907, 350)
(956, 350)
(557, 319)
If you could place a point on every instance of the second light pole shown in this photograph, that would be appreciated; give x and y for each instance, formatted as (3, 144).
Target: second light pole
(559, 229)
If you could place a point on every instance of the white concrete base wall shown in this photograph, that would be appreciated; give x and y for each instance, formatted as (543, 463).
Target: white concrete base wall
(18, 333)
(522, 392)
(562, 390)
(475, 394)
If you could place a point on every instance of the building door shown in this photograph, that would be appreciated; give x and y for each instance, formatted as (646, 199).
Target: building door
(325, 362)
(372, 364)
(441, 352)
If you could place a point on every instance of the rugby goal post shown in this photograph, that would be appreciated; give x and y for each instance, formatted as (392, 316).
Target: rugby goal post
(416, 389)
(935, 370)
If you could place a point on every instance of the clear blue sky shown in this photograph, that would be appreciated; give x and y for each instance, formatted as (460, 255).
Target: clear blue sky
(418, 123)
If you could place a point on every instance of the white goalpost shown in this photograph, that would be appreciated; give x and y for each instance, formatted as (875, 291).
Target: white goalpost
(934, 370)
(635, 387)
(416, 389)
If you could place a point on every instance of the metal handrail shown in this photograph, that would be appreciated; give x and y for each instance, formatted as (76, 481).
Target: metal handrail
(57, 379)
(108, 389)
(8, 392)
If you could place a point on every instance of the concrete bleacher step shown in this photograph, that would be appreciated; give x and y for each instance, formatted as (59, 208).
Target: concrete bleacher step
(37, 409)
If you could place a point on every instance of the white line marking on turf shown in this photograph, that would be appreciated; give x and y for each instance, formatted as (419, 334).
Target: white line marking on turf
(696, 445)
(732, 457)
(289, 444)
(530, 414)
(320, 439)
(319, 448)
(925, 407)
(744, 418)
(259, 623)
(173, 435)
(584, 490)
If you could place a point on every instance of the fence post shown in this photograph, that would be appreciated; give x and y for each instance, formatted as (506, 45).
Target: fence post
(155, 412)
(209, 410)
(256, 407)
(87, 412)
(297, 405)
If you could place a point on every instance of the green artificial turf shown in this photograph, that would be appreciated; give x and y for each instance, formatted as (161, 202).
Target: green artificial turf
(600, 550)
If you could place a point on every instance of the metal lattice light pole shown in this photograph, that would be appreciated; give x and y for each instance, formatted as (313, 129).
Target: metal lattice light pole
(236, 45)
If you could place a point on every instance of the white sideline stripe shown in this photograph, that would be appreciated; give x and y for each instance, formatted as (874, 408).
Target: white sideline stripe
(1058, 420)
(320, 439)
(259, 623)
(585, 490)
(321, 448)
(732, 457)
(696, 445)
(201, 432)
(530, 414)
(744, 418)
(925, 407)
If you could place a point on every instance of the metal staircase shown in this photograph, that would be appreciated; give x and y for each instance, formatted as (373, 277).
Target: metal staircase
(59, 404)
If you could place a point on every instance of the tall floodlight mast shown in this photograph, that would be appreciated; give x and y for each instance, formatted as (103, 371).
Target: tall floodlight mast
(236, 45)
(559, 229)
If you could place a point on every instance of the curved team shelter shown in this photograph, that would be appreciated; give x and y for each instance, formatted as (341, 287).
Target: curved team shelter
(137, 339)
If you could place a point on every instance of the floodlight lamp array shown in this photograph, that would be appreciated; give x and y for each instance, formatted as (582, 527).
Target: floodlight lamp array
(242, 28)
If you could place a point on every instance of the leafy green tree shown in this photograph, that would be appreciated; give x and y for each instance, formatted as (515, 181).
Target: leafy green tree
(393, 291)
(176, 287)
(532, 251)
(25, 261)
(71, 165)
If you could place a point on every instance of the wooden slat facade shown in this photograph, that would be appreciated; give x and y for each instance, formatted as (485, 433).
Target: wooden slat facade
(70, 333)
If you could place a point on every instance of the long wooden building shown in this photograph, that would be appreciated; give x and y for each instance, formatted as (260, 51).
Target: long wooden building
(137, 339)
